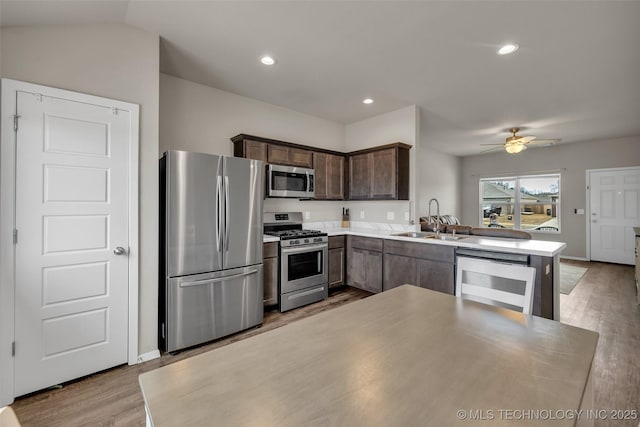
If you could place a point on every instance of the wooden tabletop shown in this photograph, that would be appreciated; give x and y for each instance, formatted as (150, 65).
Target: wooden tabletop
(405, 357)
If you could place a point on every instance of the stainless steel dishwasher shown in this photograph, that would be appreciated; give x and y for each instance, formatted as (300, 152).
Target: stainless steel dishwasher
(499, 271)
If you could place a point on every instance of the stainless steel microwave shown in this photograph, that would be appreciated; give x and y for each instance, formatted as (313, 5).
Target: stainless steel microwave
(289, 181)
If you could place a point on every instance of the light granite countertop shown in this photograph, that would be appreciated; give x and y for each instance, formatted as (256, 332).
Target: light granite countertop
(387, 231)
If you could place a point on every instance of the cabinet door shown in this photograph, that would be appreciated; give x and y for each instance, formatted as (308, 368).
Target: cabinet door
(278, 154)
(399, 270)
(359, 176)
(255, 150)
(335, 177)
(320, 167)
(270, 277)
(435, 275)
(302, 158)
(356, 272)
(373, 270)
(329, 170)
(270, 273)
(336, 266)
(384, 176)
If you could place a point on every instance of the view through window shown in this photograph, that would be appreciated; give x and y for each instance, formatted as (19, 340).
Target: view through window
(530, 203)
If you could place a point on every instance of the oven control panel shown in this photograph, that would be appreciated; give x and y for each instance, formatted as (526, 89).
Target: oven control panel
(304, 241)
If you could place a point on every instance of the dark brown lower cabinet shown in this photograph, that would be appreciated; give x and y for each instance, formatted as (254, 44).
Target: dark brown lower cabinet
(428, 266)
(336, 260)
(543, 288)
(364, 260)
(270, 273)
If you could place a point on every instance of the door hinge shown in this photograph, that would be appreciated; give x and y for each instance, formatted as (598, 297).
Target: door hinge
(15, 122)
(13, 349)
(15, 236)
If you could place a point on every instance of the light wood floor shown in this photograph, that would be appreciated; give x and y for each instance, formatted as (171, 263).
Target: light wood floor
(604, 301)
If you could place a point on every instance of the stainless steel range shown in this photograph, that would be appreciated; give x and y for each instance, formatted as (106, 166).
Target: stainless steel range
(303, 277)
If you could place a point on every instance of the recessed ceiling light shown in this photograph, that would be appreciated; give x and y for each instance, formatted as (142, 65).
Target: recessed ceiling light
(267, 60)
(508, 48)
(367, 101)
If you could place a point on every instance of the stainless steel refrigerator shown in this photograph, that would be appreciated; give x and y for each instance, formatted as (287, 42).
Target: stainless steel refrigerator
(210, 247)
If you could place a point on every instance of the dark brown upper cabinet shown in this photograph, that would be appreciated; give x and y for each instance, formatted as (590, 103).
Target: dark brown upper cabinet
(329, 175)
(282, 155)
(272, 151)
(254, 150)
(380, 173)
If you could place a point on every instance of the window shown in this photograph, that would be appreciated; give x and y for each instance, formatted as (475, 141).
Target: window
(529, 203)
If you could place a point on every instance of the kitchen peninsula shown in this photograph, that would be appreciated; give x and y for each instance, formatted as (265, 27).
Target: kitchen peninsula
(377, 259)
(408, 356)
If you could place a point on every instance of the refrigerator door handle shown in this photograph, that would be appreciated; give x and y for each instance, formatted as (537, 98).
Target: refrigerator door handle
(227, 218)
(217, 279)
(218, 216)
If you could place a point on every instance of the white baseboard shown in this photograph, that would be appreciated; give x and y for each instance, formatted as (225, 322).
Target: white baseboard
(575, 258)
(148, 356)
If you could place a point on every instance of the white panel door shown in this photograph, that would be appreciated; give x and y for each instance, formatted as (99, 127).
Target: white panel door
(71, 295)
(615, 210)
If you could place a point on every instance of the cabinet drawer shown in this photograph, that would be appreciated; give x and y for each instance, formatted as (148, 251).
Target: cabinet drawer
(270, 250)
(336, 242)
(368, 243)
(420, 250)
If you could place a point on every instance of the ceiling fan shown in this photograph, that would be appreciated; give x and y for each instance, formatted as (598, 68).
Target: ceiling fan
(514, 144)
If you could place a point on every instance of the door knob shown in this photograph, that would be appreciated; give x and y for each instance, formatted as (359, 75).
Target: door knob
(119, 250)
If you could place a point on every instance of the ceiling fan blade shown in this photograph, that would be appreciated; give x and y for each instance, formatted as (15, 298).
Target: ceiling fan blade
(492, 144)
(490, 149)
(525, 139)
(547, 141)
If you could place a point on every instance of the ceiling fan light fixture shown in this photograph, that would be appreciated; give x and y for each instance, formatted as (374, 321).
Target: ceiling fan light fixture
(507, 49)
(515, 148)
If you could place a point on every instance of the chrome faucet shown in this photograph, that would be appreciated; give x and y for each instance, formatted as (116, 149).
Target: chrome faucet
(438, 220)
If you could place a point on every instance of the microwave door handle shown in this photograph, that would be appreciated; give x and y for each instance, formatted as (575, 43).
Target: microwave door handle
(320, 262)
(270, 181)
(308, 182)
(218, 213)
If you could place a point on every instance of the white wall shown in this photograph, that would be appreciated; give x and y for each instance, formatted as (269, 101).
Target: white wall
(396, 126)
(571, 160)
(112, 61)
(200, 118)
(438, 177)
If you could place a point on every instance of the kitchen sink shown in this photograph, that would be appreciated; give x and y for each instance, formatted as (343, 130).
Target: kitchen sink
(445, 237)
(418, 234)
(428, 235)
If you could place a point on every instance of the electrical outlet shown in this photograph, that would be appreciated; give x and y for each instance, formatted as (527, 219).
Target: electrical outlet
(406, 216)
(391, 216)
(579, 211)
(307, 215)
(362, 214)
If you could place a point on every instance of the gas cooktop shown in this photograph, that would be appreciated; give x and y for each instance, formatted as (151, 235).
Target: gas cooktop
(295, 234)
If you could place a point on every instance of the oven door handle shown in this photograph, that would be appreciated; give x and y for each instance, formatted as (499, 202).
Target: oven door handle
(306, 248)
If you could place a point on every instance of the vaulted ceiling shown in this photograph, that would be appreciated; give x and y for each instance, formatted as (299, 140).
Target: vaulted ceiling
(576, 75)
